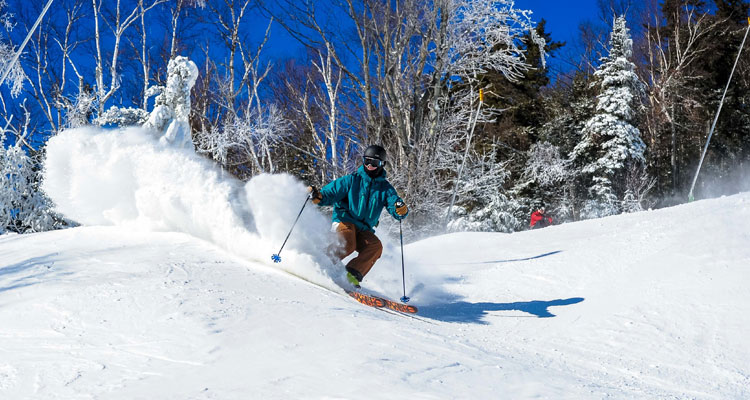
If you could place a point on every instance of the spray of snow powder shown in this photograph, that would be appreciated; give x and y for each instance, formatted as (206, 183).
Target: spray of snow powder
(128, 178)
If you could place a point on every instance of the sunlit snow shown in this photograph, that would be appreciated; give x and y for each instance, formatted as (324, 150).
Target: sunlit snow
(168, 291)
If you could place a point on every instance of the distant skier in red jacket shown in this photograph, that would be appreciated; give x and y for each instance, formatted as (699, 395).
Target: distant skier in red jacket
(539, 219)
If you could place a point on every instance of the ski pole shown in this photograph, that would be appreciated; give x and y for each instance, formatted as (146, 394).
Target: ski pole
(403, 273)
(277, 257)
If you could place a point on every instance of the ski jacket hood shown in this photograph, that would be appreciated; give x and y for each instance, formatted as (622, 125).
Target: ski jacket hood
(359, 199)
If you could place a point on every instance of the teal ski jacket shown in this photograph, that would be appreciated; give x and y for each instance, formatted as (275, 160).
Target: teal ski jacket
(359, 199)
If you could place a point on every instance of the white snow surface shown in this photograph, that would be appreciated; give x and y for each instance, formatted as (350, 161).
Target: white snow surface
(168, 292)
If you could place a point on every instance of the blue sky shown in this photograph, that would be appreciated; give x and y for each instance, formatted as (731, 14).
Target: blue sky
(563, 19)
(563, 16)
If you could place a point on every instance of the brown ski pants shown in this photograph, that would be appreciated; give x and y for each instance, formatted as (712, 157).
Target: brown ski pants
(366, 244)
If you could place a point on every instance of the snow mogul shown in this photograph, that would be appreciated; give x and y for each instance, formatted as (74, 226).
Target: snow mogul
(357, 200)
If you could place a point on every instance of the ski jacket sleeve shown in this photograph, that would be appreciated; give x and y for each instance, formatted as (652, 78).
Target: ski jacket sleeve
(336, 190)
(391, 198)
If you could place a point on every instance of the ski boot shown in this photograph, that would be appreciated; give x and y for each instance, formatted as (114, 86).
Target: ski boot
(353, 280)
(354, 277)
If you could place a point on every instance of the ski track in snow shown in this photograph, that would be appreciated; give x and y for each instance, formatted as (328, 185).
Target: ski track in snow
(646, 305)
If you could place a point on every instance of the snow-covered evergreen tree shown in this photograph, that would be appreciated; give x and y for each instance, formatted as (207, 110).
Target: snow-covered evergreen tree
(610, 141)
(171, 114)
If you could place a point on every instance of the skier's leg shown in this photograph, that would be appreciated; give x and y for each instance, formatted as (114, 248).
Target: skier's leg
(344, 246)
(370, 249)
(347, 242)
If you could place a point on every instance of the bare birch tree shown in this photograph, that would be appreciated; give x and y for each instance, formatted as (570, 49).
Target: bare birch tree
(118, 23)
(670, 72)
(410, 68)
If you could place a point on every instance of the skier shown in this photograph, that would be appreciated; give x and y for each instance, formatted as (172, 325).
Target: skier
(357, 200)
(539, 219)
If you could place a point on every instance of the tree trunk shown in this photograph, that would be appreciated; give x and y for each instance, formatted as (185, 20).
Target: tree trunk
(675, 171)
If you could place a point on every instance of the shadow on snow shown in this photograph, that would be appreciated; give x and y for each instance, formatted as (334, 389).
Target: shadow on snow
(519, 259)
(27, 272)
(500, 261)
(462, 311)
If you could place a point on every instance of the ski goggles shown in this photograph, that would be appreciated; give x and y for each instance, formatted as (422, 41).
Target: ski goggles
(373, 162)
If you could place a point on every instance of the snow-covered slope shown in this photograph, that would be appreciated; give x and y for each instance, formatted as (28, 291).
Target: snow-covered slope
(647, 305)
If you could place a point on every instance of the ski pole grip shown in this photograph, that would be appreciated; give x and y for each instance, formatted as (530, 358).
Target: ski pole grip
(314, 194)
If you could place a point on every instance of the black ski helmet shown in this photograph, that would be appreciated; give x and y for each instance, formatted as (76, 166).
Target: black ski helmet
(375, 151)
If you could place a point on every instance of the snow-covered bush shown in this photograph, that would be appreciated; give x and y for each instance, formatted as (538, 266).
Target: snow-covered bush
(125, 116)
(601, 202)
(482, 203)
(246, 140)
(501, 214)
(78, 112)
(638, 185)
(545, 166)
(170, 117)
(545, 181)
(23, 207)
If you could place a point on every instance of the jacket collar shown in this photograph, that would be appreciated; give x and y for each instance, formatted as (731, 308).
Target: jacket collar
(361, 171)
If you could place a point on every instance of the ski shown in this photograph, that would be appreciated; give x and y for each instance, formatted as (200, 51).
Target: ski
(379, 302)
(400, 307)
(366, 299)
